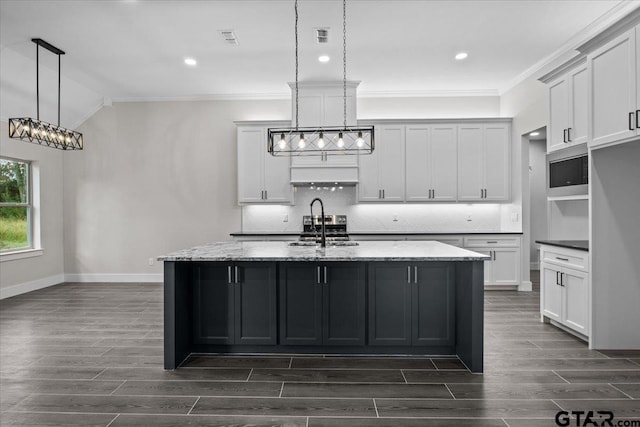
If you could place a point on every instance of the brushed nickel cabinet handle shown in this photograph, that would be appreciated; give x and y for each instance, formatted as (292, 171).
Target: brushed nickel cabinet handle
(562, 259)
(318, 272)
(408, 274)
(415, 274)
(229, 280)
(325, 274)
(235, 269)
(631, 121)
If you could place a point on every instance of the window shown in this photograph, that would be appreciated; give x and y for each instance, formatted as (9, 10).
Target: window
(16, 208)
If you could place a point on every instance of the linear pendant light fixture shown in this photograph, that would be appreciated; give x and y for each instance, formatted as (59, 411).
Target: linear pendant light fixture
(39, 132)
(318, 141)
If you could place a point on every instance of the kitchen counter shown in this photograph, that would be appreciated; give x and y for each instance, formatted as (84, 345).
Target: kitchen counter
(365, 251)
(374, 233)
(380, 297)
(582, 245)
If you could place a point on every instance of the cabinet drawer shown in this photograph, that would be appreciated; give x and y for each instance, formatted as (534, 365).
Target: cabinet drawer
(565, 257)
(489, 242)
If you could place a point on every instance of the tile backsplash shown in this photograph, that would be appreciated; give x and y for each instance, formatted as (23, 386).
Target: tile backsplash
(379, 217)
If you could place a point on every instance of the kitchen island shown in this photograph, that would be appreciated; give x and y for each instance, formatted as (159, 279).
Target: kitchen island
(379, 297)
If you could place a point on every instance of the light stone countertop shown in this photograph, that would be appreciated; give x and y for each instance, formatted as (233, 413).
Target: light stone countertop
(428, 250)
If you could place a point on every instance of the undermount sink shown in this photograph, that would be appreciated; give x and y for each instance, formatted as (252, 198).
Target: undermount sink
(339, 243)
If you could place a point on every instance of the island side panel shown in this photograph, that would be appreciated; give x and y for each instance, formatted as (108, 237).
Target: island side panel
(470, 314)
(177, 326)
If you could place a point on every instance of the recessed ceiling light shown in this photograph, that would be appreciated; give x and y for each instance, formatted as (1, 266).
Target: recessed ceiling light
(462, 55)
(191, 62)
(534, 134)
(323, 58)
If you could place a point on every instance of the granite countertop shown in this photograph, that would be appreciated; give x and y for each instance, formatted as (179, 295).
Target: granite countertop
(582, 245)
(375, 233)
(365, 251)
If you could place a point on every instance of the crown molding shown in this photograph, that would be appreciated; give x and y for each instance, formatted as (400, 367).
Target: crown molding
(427, 93)
(569, 49)
(579, 59)
(210, 97)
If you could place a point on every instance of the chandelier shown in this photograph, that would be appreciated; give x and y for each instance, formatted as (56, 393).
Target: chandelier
(319, 141)
(37, 131)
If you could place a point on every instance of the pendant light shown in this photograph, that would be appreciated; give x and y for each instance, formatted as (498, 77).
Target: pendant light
(37, 131)
(319, 141)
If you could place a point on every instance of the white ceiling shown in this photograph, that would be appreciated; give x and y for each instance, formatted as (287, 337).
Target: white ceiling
(134, 49)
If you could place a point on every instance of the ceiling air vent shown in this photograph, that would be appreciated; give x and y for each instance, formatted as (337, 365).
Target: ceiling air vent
(229, 36)
(322, 35)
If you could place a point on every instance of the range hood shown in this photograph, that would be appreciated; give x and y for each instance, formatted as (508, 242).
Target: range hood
(307, 175)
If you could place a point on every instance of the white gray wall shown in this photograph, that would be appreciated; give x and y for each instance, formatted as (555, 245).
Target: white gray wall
(538, 192)
(153, 178)
(528, 104)
(18, 276)
(615, 247)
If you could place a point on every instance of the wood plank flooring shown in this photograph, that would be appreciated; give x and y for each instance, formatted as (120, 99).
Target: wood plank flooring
(91, 355)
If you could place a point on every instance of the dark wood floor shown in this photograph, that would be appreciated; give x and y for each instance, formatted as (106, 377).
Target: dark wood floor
(91, 354)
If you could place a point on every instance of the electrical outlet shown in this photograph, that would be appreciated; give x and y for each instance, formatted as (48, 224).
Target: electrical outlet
(395, 217)
(469, 218)
(151, 261)
(285, 218)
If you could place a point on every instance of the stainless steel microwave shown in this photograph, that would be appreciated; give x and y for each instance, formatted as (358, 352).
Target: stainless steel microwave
(568, 172)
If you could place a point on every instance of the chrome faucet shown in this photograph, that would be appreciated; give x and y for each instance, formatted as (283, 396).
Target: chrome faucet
(323, 241)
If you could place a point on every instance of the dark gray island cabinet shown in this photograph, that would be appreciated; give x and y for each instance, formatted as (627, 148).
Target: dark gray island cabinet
(400, 298)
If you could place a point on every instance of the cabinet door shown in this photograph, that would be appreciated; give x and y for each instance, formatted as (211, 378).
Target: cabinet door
(558, 114)
(505, 266)
(488, 265)
(389, 304)
(277, 179)
(300, 304)
(433, 304)
(213, 302)
(390, 142)
(575, 300)
(344, 303)
(443, 163)
(470, 155)
(496, 162)
(368, 183)
(251, 154)
(551, 292)
(613, 90)
(418, 173)
(578, 102)
(255, 303)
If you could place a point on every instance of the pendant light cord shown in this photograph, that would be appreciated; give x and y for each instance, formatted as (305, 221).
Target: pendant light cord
(38, 82)
(296, 32)
(344, 59)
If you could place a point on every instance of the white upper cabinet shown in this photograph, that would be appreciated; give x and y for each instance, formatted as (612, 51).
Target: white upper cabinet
(262, 178)
(381, 174)
(568, 109)
(431, 163)
(613, 97)
(483, 162)
(321, 104)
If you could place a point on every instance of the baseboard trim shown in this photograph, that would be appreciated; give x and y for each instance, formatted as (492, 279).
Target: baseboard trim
(113, 278)
(500, 287)
(526, 286)
(34, 285)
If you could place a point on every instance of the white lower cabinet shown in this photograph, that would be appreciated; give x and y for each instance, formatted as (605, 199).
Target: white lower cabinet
(564, 291)
(504, 267)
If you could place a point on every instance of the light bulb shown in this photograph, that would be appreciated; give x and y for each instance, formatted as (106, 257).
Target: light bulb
(340, 140)
(301, 143)
(359, 141)
(321, 140)
(283, 143)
